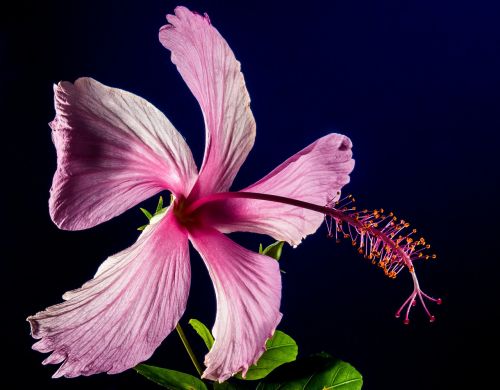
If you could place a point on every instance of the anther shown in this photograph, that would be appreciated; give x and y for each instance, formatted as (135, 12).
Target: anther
(383, 240)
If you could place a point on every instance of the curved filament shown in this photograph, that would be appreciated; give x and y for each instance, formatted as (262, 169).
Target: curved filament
(385, 241)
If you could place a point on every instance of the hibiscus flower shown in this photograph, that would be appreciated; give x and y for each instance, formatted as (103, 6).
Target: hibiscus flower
(114, 150)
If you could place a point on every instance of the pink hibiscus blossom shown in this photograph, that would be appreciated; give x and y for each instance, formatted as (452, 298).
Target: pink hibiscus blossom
(115, 150)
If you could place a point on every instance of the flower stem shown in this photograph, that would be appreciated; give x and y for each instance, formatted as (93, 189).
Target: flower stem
(189, 350)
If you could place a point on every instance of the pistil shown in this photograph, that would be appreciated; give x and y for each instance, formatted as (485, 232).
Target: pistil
(379, 236)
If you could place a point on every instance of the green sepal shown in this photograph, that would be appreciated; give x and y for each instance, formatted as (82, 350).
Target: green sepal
(203, 332)
(274, 250)
(159, 207)
(280, 349)
(173, 380)
(146, 213)
(320, 371)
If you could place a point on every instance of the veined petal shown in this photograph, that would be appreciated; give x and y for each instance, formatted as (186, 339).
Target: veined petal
(209, 68)
(316, 175)
(119, 318)
(114, 149)
(248, 291)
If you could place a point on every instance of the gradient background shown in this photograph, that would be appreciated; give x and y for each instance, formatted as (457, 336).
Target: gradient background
(414, 84)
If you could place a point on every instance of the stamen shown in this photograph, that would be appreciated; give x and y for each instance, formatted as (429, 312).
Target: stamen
(386, 242)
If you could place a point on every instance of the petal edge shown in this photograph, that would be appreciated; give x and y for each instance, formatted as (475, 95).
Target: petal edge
(212, 73)
(120, 317)
(316, 174)
(114, 149)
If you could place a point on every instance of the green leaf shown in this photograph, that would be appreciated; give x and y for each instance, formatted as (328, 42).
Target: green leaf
(173, 380)
(141, 228)
(203, 332)
(273, 250)
(315, 372)
(280, 349)
(146, 213)
(260, 249)
(159, 208)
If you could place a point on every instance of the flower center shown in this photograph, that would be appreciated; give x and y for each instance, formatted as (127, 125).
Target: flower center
(179, 209)
(183, 212)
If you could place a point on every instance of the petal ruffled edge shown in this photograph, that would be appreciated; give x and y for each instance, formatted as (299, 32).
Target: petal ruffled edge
(114, 150)
(118, 319)
(212, 73)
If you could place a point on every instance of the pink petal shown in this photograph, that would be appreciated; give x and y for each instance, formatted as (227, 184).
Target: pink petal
(211, 71)
(316, 175)
(114, 149)
(248, 291)
(119, 318)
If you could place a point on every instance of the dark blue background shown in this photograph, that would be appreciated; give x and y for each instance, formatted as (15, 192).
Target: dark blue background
(414, 84)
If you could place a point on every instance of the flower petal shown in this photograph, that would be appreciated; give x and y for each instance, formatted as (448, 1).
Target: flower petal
(316, 175)
(209, 68)
(248, 291)
(119, 318)
(114, 149)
